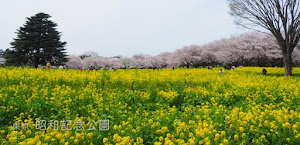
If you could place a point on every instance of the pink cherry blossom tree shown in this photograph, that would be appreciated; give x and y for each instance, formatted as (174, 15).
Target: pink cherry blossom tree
(2, 61)
(74, 62)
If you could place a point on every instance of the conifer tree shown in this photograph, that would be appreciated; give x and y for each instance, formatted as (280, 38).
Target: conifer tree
(38, 42)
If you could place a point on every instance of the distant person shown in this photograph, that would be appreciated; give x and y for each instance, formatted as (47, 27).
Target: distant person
(233, 68)
(48, 65)
(81, 69)
(221, 72)
(264, 71)
(173, 68)
(60, 67)
(91, 68)
(227, 67)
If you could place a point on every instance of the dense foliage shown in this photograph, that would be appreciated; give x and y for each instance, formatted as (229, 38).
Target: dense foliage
(192, 106)
(37, 43)
(250, 49)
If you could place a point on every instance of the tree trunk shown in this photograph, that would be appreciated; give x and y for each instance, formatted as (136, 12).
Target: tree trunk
(287, 62)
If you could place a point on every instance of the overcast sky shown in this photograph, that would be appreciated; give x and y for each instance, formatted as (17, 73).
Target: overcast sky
(124, 27)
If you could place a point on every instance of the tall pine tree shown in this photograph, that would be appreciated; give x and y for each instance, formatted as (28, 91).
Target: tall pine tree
(38, 42)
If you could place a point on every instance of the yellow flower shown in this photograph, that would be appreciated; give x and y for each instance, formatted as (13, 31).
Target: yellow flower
(78, 135)
(90, 135)
(76, 141)
(150, 121)
(161, 138)
(295, 126)
(168, 135)
(47, 138)
(67, 134)
(217, 136)
(12, 139)
(164, 129)
(223, 133)
(22, 137)
(206, 139)
(273, 126)
(28, 132)
(117, 138)
(225, 141)
(241, 129)
(105, 140)
(59, 136)
(236, 137)
(139, 140)
(286, 125)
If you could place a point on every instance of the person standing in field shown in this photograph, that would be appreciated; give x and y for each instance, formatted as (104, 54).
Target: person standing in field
(48, 65)
(221, 72)
(264, 71)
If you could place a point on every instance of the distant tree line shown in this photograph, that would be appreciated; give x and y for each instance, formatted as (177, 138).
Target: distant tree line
(250, 49)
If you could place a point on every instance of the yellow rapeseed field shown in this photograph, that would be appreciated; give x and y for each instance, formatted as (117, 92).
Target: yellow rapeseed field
(181, 106)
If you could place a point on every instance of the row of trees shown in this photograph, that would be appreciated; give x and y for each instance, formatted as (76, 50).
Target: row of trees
(38, 41)
(250, 49)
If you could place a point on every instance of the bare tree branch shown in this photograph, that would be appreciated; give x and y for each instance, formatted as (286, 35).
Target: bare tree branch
(280, 17)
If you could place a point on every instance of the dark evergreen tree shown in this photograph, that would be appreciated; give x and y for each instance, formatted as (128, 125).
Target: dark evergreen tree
(37, 42)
